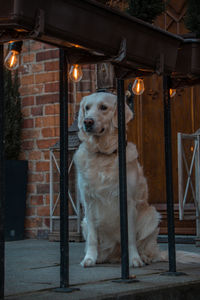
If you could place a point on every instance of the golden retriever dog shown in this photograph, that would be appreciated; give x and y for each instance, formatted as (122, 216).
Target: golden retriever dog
(96, 162)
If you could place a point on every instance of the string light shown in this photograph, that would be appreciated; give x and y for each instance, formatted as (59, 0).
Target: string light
(11, 61)
(138, 86)
(172, 93)
(76, 73)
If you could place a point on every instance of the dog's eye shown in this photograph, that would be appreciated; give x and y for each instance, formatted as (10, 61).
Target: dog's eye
(103, 107)
(87, 107)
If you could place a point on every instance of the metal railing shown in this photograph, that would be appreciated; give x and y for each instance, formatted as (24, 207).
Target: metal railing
(54, 204)
(191, 167)
(64, 196)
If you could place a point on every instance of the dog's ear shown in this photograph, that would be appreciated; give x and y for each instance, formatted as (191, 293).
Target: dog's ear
(81, 114)
(128, 115)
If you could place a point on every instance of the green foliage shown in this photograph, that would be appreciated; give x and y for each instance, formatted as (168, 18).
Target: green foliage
(146, 10)
(192, 19)
(13, 116)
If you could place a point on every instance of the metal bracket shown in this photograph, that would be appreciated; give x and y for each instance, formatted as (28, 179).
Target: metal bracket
(130, 99)
(6, 35)
(39, 24)
(121, 55)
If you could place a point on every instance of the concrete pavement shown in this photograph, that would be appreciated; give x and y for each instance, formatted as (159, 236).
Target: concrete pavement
(32, 272)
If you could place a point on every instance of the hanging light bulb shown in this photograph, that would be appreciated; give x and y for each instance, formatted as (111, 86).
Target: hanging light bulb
(172, 92)
(11, 61)
(76, 73)
(138, 86)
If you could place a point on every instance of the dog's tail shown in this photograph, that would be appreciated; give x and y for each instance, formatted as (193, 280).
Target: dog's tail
(181, 257)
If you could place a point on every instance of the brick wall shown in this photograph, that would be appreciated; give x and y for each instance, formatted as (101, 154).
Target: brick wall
(39, 77)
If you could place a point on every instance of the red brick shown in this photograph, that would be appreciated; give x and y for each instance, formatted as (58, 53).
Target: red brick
(30, 211)
(47, 222)
(47, 77)
(36, 46)
(46, 155)
(27, 145)
(49, 98)
(80, 95)
(47, 199)
(37, 111)
(36, 200)
(43, 188)
(52, 65)
(39, 122)
(35, 155)
(31, 188)
(47, 177)
(24, 69)
(47, 143)
(39, 177)
(31, 165)
(48, 46)
(28, 123)
(47, 121)
(53, 109)
(51, 132)
(27, 80)
(33, 222)
(37, 68)
(27, 58)
(43, 211)
(28, 101)
(28, 134)
(51, 121)
(23, 156)
(85, 86)
(46, 55)
(31, 89)
(26, 112)
(52, 87)
(42, 166)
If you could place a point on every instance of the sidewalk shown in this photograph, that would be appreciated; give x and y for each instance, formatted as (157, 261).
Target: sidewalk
(32, 272)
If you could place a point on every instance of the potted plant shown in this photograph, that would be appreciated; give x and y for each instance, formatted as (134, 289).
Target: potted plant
(15, 169)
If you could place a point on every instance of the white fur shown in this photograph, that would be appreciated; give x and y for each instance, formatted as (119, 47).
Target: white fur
(97, 166)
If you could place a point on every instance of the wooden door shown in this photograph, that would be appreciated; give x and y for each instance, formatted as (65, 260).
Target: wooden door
(147, 132)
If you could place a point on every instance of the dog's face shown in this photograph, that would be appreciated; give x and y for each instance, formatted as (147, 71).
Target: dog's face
(98, 112)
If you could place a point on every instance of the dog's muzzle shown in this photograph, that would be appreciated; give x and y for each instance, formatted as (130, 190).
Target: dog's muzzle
(89, 124)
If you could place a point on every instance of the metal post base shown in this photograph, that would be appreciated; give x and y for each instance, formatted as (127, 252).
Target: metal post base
(66, 290)
(173, 274)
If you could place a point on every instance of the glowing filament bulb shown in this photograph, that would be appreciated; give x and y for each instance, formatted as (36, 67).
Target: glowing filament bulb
(12, 60)
(172, 92)
(138, 86)
(75, 73)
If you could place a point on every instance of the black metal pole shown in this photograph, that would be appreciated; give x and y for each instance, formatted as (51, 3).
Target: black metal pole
(122, 179)
(2, 175)
(64, 230)
(169, 177)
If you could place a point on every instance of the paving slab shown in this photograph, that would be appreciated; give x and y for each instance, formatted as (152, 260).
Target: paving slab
(32, 272)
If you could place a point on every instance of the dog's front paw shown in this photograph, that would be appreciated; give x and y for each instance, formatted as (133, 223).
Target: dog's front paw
(136, 261)
(87, 262)
(146, 259)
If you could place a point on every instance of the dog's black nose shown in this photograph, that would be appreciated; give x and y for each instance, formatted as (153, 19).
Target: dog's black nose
(88, 122)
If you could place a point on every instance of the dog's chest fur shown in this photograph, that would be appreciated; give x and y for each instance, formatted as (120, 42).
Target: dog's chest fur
(99, 172)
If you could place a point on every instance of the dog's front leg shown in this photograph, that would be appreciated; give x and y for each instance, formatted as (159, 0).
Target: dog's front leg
(91, 243)
(134, 257)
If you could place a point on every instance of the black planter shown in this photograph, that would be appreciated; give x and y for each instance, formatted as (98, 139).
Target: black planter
(15, 198)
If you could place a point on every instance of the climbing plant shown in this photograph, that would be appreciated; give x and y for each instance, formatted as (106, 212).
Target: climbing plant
(192, 18)
(13, 115)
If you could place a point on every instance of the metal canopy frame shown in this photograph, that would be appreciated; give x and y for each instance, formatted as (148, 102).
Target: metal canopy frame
(89, 32)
